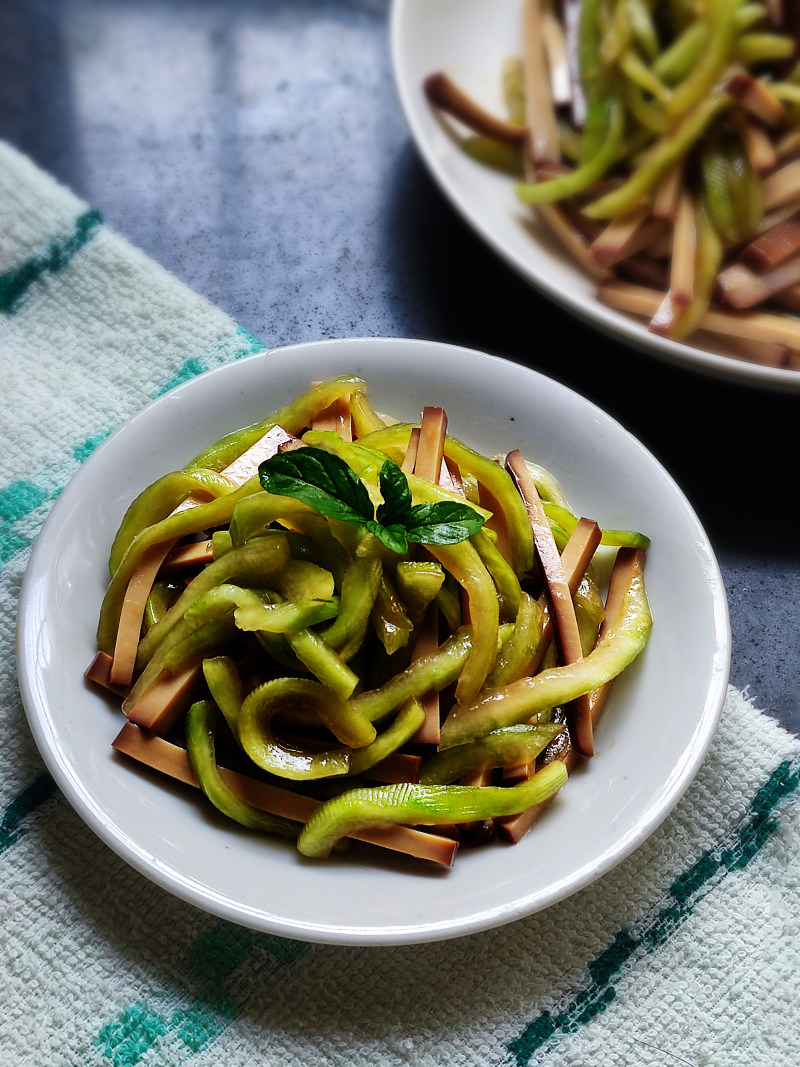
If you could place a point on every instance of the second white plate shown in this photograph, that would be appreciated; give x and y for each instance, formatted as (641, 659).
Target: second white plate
(469, 40)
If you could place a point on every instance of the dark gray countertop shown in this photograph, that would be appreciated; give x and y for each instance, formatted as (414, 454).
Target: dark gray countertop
(257, 150)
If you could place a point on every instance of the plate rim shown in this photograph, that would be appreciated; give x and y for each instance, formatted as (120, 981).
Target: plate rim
(80, 797)
(613, 323)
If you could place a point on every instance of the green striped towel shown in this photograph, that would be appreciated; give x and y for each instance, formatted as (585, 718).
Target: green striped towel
(688, 952)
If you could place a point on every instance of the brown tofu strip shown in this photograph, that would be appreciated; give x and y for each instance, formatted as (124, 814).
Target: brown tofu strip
(398, 767)
(429, 732)
(575, 558)
(428, 463)
(336, 418)
(160, 706)
(132, 613)
(566, 630)
(130, 625)
(184, 557)
(771, 248)
(410, 458)
(430, 449)
(628, 564)
(172, 760)
(99, 672)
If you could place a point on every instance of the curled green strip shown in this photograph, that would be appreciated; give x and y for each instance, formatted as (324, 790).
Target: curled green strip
(426, 805)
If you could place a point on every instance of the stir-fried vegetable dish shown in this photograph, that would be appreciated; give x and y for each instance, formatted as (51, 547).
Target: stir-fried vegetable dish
(341, 626)
(661, 143)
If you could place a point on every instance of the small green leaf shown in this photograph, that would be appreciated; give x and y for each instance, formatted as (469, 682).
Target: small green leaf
(443, 523)
(396, 505)
(320, 479)
(393, 536)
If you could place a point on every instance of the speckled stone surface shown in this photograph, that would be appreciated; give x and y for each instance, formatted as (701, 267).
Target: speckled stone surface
(258, 151)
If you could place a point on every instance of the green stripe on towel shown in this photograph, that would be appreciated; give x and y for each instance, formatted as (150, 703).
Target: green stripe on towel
(734, 853)
(19, 498)
(215, 1005)
(12, 825)
(14, 284)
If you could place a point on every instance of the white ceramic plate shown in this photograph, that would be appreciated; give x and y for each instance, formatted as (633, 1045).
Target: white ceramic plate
(469, 39)
(651, 741)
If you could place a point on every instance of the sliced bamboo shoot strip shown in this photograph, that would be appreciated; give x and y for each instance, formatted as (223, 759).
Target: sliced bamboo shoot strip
(566, 630)
(444, 94)
(752, 325)
(684, 244)
(542, 141)
(171, 760)
(129, 630)
(629, 563)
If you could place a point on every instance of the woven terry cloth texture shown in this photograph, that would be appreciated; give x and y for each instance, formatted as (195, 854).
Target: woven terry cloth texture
(686, 953)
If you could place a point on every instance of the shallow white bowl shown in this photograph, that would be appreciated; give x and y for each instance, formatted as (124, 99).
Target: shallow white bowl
(651, 741)
(469, 40)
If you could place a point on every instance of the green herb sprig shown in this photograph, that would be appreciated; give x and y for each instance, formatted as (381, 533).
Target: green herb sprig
(325, 483)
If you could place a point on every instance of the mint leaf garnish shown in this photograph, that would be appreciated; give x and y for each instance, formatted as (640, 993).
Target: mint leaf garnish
(443, 523)
(324, 482)
(319, 479)
(396, 495)
(394, 536)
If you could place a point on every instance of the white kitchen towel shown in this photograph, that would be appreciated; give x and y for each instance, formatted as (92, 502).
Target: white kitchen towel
(688, 952)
